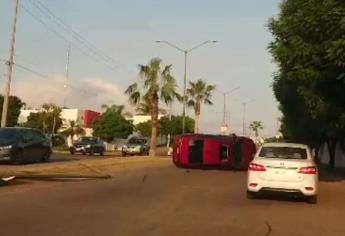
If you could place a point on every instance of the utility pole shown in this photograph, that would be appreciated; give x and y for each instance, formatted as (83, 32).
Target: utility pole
(224, 108)
(67, 75)
(224, 126)
(244, 119)
(244, 128)
(10, 68)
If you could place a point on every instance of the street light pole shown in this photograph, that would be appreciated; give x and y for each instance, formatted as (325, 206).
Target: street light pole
(185, 52)
(244, 119)
(184, 91)
(244, 128)
(10, 68)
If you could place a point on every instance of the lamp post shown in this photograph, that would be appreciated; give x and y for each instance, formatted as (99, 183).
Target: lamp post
(244, 128)
(185, 52)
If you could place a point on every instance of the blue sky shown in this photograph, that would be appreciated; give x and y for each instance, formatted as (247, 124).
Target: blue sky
(126, 31)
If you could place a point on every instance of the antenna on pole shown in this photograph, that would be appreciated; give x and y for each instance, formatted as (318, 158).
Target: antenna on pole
(67, 75)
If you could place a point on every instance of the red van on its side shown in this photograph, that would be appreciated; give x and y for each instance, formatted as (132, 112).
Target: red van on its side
(197, 150)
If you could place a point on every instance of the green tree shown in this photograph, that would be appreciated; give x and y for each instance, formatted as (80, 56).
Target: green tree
(14, 106)
(309, 48)
(173, 126)
(256, 126)
(144, 128)
(47, 120)
(199, 92)
(156, 84)
(111, 125)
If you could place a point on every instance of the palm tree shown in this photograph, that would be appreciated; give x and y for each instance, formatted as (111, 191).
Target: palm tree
(199, 92)
(256, 126)
(72, 130)
(156, 84)
(143, 108)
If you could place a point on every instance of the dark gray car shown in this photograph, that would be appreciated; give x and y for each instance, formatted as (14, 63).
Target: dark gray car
(24, 145)
(88, 145)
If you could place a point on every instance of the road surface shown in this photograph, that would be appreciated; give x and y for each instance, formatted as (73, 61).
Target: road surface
(156, 198)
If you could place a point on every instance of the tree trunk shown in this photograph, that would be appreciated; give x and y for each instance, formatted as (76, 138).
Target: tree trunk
(54, 124)
(154, 122)
(331, 144)
(196, 123)
(197, 117)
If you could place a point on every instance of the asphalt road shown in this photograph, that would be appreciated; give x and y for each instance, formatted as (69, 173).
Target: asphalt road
(156, 198)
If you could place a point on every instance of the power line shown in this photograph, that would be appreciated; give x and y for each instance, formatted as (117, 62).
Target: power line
(47, 77)
(75, 34)
(61, 36)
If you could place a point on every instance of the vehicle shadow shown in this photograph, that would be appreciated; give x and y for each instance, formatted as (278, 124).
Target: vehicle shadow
(327, 174)
(280, 197)
(12, 183)
(217, 168)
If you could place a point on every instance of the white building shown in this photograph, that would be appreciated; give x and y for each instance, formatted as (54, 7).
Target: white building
(136, 119)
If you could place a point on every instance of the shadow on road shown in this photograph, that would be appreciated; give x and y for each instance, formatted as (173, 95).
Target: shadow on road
(13, 183)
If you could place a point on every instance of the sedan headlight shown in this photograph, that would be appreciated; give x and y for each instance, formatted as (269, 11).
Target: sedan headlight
(88, 146)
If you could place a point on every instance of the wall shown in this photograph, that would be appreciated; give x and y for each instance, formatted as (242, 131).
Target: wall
(24, 114)
(89, 117)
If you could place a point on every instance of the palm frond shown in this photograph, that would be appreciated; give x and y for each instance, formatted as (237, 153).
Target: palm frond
(131, 89)
(191, 103)
(208, 101)
(134, 98)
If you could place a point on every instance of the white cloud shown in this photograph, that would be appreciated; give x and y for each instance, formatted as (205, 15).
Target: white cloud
(85, 93)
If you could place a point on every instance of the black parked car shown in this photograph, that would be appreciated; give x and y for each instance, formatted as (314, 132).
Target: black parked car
(89, 145)
(24, 145)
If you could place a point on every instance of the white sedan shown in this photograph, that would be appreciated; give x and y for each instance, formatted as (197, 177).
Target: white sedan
(283, 167)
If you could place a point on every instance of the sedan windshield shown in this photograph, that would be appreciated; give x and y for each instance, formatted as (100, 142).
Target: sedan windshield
(283, 152)
(136, 141)
(8, 136)
(87, 140)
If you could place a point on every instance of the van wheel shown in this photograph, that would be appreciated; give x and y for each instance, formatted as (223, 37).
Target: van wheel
(250, 195)
(312, 199)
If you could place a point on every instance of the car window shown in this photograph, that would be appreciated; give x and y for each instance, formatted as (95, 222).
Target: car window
(88, 140)
(136, 141)
(37, 135)
(283, 152)
(8, 135)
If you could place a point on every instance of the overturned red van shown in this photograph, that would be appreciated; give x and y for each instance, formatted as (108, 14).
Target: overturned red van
(198, 150)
